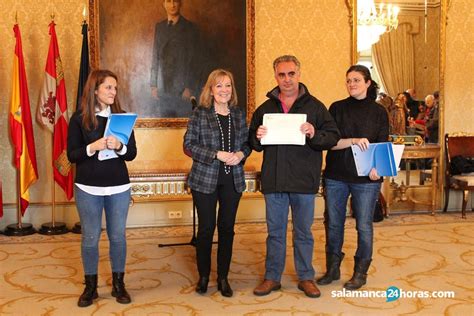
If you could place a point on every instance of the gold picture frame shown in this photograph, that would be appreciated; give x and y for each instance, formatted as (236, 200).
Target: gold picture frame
(117, 22)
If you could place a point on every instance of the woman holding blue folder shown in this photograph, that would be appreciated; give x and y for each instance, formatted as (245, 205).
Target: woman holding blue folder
(101, 183)
(361, 121)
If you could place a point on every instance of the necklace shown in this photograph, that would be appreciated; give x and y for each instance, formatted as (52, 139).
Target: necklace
(226, 167)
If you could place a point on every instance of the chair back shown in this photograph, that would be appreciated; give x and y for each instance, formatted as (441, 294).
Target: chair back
(459, 146)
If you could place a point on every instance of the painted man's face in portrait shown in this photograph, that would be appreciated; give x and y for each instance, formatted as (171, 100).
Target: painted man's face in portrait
(172, 7)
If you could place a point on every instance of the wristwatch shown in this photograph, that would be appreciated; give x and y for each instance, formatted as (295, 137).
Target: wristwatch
(120, 148)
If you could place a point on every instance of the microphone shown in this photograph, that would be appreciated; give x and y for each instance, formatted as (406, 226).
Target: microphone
(193, 102)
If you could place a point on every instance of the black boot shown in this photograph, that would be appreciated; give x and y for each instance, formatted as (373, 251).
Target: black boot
(90, 292)
(201, 286)
(333, 272)
(118, 288)
(224, 286)
(359, 277)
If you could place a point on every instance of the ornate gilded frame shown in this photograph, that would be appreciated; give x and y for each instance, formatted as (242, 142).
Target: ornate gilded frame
(444, 6)
(181, 122)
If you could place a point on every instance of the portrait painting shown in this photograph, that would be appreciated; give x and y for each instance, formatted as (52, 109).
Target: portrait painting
(163, 51)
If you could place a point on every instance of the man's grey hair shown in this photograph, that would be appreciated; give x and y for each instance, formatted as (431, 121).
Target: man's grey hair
(285, 59)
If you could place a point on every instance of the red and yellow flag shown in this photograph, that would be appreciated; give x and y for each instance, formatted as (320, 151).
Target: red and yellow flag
(52, 113)
(21, 129)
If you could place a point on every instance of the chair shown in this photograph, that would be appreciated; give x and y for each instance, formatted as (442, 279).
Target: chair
(459, 144)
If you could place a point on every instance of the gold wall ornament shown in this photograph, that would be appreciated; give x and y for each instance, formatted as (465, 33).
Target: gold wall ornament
(172, 186)
(415, 140)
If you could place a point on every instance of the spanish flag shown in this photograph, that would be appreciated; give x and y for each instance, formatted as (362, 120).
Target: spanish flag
(21, 129)
(52, 113)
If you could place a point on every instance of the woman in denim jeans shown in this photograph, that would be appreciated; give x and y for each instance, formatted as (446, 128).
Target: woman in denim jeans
(361, 121)
(100, 184)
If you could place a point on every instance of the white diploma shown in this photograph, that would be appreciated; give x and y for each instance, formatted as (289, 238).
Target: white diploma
(283, 129)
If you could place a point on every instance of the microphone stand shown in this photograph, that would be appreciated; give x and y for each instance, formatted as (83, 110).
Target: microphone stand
(193, 240)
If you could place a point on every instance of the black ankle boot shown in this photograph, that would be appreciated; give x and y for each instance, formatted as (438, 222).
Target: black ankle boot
(118, 288)
(333, 272)
(90, 292)
(224, 286)
(201, 286)
(359, 277)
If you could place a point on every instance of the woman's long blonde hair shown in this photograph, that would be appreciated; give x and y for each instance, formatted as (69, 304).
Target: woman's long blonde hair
(206, 99)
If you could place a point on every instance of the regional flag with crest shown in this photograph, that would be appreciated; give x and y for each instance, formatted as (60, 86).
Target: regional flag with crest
(52, 113)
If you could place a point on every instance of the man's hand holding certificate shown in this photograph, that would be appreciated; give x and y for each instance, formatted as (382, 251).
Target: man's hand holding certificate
(284, 129)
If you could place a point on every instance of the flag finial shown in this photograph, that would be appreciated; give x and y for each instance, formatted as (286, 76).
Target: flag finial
(16, 17)
(84, 13)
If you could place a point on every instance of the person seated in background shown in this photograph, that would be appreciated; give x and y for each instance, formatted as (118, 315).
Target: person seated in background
(397, 115)
(432, 120)
(418, 122)
(411, 103)
(436, 98)
(423, 112)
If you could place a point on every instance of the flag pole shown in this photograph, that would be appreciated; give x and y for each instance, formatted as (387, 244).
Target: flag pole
(53, 227)
(1, 202)
(57, 118)
(18, 208)
(19, 229)
(83, 74)
(53, 201)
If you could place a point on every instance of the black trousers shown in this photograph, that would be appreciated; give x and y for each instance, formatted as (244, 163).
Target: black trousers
(206, 208)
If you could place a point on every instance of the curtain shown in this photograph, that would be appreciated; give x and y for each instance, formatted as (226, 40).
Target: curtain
(394, 57)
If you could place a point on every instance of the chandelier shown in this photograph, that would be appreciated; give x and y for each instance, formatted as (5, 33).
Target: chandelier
(372, 23)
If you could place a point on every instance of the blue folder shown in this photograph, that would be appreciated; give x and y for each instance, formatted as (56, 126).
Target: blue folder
(121, 126)
(380, 156)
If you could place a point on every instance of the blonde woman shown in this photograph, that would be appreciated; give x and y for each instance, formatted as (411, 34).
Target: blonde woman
(217, 140)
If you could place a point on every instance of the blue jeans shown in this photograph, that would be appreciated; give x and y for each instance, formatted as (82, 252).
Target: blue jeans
(90, 212)
(364, 196)
(302, 214)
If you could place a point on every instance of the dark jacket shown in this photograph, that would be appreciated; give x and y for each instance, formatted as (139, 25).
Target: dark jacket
(90, 170)
(432, 124)
(203, 140)
(175, 57)
(292, 168)
(355, 119)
